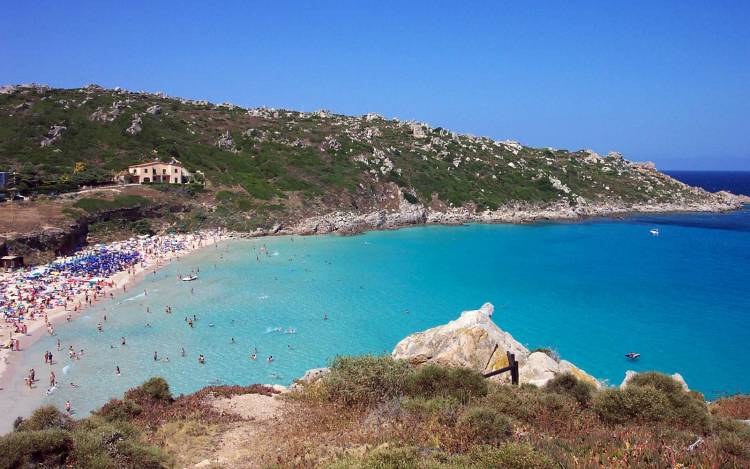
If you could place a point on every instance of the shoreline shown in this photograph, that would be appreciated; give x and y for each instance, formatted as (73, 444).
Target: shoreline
(126, 279)
(121, 282)
(406, 214)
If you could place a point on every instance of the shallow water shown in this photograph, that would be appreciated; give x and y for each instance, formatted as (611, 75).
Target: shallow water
(593, 291)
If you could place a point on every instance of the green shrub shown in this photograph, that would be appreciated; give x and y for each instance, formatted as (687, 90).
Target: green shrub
(433, 381)
(568, 384)
(632, 404)
(155, 389)
(660, 381)
(445, 410)
(509, 455)
(685, 408)
(117, 410)
(485, 425)
(45, 418)
(365, 380)
(382, 458)
(37, 448)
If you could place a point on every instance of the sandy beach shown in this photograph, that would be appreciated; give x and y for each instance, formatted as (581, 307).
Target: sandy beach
(150, 260)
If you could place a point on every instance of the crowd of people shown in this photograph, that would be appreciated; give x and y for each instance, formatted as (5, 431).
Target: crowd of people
(74, 282)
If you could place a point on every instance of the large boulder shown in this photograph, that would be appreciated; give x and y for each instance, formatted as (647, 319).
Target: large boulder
(475, 341)
(471, 341)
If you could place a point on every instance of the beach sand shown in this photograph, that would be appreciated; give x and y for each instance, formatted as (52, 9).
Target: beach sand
(121, 282)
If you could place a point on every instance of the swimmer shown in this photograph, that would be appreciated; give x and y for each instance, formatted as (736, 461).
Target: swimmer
(74, 385)
(201, 359)
(156, 356)
(233, 342)
(122, 341)
(270, 358)
(148, 325)
(117, 370)
(99, 327)
(183, 351)
(67, 407)
(325, 316)
(253, 356)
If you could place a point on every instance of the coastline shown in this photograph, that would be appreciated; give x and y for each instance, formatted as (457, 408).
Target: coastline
(120, 282)
(403, 214)
(345, 224)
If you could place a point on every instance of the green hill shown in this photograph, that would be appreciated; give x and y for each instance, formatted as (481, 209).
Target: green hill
(272, 162)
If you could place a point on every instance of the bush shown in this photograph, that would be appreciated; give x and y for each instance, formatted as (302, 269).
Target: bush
(685, 408)
(445, 410)
(632, 404)
(485, 425)
(433, 381)
(568, 384)
(662, 382)
(508, 455)
(44, 418)
(155, 389)
(117, 410)
(37, 448)
(365, 380)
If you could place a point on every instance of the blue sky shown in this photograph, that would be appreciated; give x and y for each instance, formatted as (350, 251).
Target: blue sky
(667, 81)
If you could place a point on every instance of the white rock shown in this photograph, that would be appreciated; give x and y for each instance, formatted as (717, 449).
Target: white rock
(471, 341)
(538, 369)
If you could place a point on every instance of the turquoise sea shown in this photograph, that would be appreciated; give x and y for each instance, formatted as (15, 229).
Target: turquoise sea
(591, 290)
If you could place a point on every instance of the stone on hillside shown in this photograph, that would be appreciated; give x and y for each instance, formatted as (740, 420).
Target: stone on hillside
(538, 368)
(155, 109)
(135, 126)
(310, 376)
(471, 341)
(630, 374)
(54, 134)
(474, 341)
(417, 130)
(225, 142)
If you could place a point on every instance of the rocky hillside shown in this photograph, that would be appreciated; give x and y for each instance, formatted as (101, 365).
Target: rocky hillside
(266, 167)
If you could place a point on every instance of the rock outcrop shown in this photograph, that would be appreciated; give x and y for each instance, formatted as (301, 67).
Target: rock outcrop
(475, 341)
(54, 134)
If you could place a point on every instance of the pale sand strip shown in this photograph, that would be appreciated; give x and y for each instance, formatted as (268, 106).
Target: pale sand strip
(124, 279)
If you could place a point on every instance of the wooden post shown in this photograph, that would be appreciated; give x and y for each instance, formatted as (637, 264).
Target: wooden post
(513, 368)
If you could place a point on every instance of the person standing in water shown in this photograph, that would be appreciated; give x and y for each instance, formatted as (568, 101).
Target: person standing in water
(117, 370)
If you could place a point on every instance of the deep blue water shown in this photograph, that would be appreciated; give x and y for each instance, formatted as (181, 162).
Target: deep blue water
(593, 291)
(737, 182)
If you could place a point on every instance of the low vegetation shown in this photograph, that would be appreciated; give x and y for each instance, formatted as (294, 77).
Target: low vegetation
(376, 412)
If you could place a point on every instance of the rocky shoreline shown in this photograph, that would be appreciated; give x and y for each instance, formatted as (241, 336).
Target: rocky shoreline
(407, 214)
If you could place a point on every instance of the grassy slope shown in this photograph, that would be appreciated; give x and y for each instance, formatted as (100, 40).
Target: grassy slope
(283, 157)
(374, 412)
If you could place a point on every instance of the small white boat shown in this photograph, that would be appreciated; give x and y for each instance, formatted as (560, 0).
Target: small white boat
(654, 231)
(632, 355)
(189, 278)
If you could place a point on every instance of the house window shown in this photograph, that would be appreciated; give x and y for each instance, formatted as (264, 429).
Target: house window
(145, 170)
(164, 171)
(175, 170)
